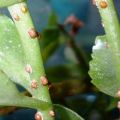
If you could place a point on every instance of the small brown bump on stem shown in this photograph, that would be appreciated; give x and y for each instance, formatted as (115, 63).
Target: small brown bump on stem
(118, 105)
(118, 94)
(28, 68)
(24, 9)
(103, 4)
(16, 17)
(52, 113)
(44, 80)
(34, 84)
(33, 33)
(38, 116)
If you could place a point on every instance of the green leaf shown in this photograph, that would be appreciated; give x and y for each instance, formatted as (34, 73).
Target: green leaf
(13, 63)
(4, 3)
(66, 114)
(102, 68)
(10, 96)
(12, 59)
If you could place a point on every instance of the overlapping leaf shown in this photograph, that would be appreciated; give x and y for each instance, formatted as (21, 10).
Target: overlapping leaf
(12, 59)
(102, 69)
(4, 3)
(12, 65)
(10, 96)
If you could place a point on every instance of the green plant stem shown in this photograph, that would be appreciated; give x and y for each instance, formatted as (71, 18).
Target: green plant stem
(112, 29)
(78, 52)
(83, 62)
(32, 53)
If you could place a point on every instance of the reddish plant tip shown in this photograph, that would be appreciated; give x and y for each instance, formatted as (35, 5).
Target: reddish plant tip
(38, 116)
(103, 4)
(33, 33)
(34, 84)
(28, 69)
(44, 80)
(52, 113)
(16, 17)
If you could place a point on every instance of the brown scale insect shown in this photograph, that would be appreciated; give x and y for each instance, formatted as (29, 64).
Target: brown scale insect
(33, 33)
(52, 113)
(44, 80)
(34, 84)
(118, 105)
(24, 9)
(28, 69)
(103, 4)
(16, 17)
(38, 116)
(118, 94)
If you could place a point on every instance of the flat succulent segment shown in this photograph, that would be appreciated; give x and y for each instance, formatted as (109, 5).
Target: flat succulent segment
(102, 68)
(13, 64)
(13, 69)
(5, 3)
(29, 40)
(12, 60)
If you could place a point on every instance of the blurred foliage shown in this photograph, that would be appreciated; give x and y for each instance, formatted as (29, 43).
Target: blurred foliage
(102, 65)
(70, 81)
